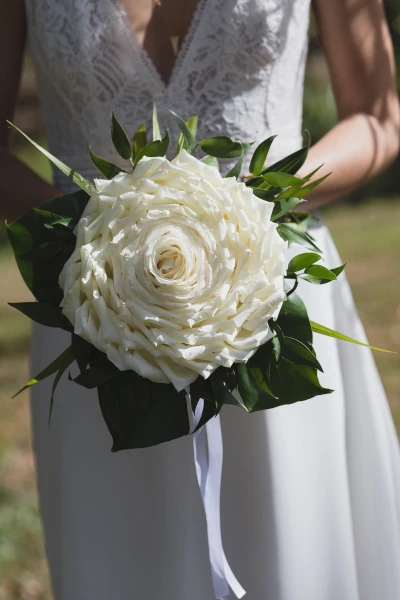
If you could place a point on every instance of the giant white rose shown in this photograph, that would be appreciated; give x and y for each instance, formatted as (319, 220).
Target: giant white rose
(176, 270)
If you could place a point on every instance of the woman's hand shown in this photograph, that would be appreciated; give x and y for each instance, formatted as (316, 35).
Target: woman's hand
(358, 48)
(20, 188)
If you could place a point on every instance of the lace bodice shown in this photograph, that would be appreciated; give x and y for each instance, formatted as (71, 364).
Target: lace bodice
(240, 68)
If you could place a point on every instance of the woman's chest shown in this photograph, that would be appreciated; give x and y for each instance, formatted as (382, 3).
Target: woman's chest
(98, 47)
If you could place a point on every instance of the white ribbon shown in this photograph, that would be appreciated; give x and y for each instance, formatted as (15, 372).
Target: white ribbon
(208, 454)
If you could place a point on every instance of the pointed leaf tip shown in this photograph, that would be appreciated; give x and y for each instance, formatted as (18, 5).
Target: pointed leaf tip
(185, 130)
(260, 156)
(157, 148)
(156, 125)
(120, 139)
(106, 168)
(317, 328)
(80, 181)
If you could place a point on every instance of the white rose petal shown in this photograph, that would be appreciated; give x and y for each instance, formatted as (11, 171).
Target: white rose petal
(176, 272)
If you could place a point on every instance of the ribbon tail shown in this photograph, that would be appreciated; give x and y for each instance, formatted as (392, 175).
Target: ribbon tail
(208, 456)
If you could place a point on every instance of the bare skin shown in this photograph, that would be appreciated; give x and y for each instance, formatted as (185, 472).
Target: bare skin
(358, 49)
(153, 25)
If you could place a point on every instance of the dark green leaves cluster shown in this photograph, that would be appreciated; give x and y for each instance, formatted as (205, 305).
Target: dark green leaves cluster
(284, 370)
(42, 241)
(139, 147)
(132, 150)
(278, 183)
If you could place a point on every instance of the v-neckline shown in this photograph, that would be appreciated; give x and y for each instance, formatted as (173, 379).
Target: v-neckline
(145, 57)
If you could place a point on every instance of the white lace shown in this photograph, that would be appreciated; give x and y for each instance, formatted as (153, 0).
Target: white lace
(240, 69)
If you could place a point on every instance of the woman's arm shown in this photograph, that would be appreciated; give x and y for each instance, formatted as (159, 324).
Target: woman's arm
(20, 188)
(357, 45)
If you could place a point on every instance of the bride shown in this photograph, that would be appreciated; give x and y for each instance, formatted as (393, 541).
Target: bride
(311, 491)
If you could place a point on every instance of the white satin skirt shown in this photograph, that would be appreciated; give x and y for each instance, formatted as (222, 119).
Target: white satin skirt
(310, 492)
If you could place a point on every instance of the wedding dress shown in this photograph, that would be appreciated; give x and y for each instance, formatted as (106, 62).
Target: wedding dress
(310, 492)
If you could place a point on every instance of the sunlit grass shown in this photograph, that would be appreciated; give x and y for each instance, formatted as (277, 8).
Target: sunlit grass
(367, 236)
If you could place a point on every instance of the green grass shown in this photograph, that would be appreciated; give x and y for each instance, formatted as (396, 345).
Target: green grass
(367, 237)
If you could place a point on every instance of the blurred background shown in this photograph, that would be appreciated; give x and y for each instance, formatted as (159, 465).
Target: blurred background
(366, 229)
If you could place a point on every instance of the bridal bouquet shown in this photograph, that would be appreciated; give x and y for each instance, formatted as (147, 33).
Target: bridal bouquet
(174, 284)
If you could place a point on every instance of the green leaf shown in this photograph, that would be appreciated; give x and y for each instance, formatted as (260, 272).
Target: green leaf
(305, 220)
(338, 270)
(235, 171)
(67, 222)
(293, 234)
(93, 377)
(140, 413)
(210, 160)
(302, 261)
(300, 354)
(259, 183)
(221, 146)
(106, 168)
(192, 125)
(43, 252)
(156, 126)
(320, 271)
(20, 237)
(308, 177)
(139, 140)
(51, 221)
(290, 164)
(263, 194)
(318, 275)
(293, 320)
(284, 206)
(186, 132)
(260, 156)
(34, 243)
(253, 388)
(157, 148)
(277, 341)
(120, 139)
(345, 338)
(302, 192)
(45, 314)
(215, 391)
(80, 181)
(223, 382)
(201, 389)
(210, 410)
(291, 382)
(66, 358)
(68, 205)
(83, 351)
(282, 179)
(288, 193)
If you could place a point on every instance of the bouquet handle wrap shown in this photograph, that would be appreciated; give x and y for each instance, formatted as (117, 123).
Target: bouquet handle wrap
(208, 456)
